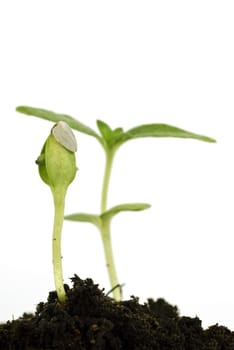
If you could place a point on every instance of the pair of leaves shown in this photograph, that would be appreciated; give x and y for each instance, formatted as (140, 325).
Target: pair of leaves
(97, 220)
(108, 134)
(114, 138)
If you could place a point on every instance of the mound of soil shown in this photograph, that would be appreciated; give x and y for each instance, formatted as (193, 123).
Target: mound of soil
(94, 321)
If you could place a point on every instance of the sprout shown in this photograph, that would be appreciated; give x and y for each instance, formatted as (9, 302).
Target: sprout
(57, 168)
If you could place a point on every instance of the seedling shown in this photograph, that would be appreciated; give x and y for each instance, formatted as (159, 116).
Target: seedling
(57, 168)
(111, 140)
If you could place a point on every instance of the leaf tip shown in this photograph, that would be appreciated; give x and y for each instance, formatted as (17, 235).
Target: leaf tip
(21, 109)
(18, 108)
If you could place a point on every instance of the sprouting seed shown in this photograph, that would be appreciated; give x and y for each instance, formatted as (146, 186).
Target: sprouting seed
(64, 135)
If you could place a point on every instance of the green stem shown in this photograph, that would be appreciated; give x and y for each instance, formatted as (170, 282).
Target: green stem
(106, 238)
(59, 203)
(105, 228)
(106, 180)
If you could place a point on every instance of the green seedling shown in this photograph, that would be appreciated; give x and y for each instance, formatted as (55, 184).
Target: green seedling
(111, 140)
(57, 168)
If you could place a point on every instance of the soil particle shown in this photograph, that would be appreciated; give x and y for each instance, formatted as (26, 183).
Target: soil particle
(91, 320)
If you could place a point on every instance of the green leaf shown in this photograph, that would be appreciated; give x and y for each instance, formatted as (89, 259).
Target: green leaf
(105, 130)
(82, 217)
(124, 207)
(107, 133)
(55, 117)
(158, 130)
(96, 219)
(117, 132)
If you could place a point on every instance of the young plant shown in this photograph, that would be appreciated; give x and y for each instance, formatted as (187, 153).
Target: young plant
(111, 140)
(57, 168)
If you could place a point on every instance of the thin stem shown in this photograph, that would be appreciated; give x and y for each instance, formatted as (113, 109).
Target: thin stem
(106, 238)
(59, 203)
(105, 228)
(106, 180)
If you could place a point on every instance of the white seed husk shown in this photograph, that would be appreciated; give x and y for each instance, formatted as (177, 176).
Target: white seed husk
(64, 135)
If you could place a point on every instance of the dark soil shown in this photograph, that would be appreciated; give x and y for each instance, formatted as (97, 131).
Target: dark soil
(91, 320)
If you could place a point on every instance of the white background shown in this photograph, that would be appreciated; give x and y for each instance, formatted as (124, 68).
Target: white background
(128, 63)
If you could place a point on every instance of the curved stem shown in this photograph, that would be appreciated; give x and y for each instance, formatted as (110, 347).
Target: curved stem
(59, 203)
(105, 185)
(106, 238)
